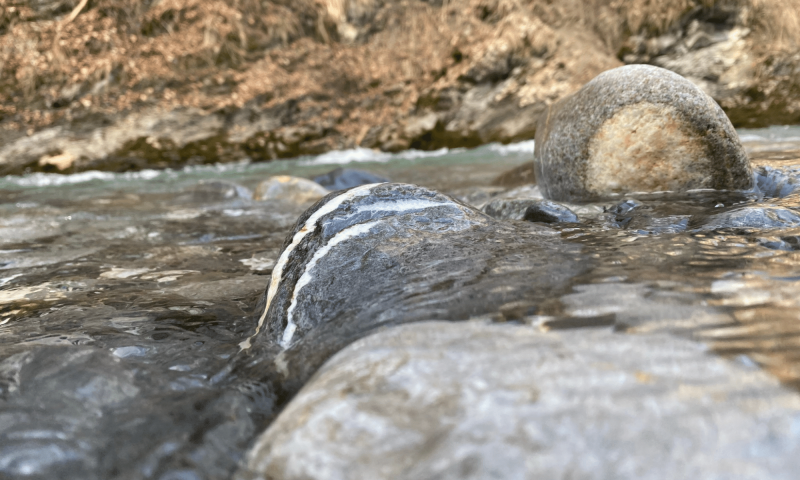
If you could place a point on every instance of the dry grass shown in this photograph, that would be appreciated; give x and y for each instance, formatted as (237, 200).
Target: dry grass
(777, 22)
(117, 55)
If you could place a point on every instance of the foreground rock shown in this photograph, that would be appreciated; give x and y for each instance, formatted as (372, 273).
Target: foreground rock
(387, 254)
(291, 189)
(637, 129)
(475, 401)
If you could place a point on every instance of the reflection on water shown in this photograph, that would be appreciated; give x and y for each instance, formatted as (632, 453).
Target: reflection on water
(124, 297)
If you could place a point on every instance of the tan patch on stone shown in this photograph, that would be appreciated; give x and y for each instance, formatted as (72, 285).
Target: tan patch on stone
(645, 148)
(293, 189)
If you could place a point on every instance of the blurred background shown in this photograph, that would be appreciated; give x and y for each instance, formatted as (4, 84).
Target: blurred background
(122, 85)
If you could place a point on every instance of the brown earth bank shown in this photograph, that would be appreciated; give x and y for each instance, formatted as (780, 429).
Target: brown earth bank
(128, 84)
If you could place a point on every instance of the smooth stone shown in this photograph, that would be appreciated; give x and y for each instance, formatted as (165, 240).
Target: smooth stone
(475, 401)
(380, 255)
(291, 189)
(637, 128)
(343, 178)
(549, 212)
(756, 218)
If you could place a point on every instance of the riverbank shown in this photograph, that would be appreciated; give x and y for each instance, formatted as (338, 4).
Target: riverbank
(120, 86)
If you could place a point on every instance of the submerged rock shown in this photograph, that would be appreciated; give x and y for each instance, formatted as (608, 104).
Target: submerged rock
(216, 191)
(754, 217)
(637, 128)
(292, 189)
(476, 401)
(508, 208)
(343, 178)
(778, 182)
(549, 212)
(529, 209)
(82, 412)
(386, 254)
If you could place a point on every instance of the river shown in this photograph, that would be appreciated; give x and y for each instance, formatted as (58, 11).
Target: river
(124, 297)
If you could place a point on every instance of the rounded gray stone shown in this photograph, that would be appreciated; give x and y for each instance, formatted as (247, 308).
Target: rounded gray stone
(476, 401)
(637, 128)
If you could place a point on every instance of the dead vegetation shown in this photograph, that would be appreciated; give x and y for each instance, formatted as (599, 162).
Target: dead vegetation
(64, 59)
(777, 22)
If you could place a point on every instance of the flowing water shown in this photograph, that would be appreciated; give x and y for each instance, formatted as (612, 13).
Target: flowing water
(124, 297)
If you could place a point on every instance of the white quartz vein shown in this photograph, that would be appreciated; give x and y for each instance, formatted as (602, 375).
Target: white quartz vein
(277, 271)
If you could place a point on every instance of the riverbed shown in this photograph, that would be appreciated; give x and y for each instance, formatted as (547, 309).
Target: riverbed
(124, 297)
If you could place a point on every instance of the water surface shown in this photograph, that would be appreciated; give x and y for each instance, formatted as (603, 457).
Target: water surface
(124, 297)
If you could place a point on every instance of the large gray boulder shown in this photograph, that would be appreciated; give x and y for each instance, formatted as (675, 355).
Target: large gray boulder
(440, 400)
(387, 254)
(637, 128)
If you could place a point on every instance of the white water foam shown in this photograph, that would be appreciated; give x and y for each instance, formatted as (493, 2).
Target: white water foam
(357, 155)
(519, 147)
(56, 179)
(342, 157)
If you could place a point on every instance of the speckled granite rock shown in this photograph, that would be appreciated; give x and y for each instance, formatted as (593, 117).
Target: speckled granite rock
(475, 401)
(386, 254)
(637, 128)
(293, 189)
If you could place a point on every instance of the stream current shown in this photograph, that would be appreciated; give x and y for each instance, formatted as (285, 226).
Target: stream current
(124, 297)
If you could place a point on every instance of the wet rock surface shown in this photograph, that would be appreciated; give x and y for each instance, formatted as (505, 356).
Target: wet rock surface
(438, 400)
(380, 255)
(637, 129)
(74, 412)
(532, 210)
